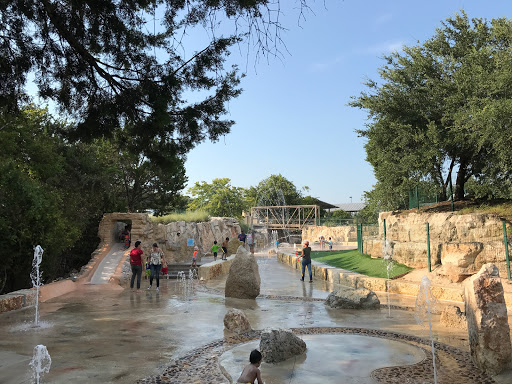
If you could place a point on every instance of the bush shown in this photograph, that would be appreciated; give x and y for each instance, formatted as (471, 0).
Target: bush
(189, 216)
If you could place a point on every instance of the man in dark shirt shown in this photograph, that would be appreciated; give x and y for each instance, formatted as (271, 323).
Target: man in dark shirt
(306, 261)
(242, 237)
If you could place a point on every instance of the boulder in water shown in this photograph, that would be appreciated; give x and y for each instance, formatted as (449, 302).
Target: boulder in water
(243, 280)
(236, 321)
(278, 345)
(352, 298)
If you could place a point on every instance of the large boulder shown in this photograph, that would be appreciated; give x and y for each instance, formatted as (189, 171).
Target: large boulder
(277, 345)
(236, 321)
(486, 313)
(458, 260)
(352, 298)
(243, 280)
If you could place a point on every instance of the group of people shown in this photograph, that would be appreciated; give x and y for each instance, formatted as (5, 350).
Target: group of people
(155, 263)
(247, 239)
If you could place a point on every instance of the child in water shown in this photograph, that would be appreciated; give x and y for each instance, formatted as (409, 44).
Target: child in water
(251, 371)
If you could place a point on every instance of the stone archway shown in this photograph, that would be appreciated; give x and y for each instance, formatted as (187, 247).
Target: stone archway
(142, 227)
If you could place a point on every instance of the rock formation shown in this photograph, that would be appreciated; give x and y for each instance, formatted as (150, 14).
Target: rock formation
(236, 321)
(486, 313)
(351, 298)
(277, 345)
(243, 280)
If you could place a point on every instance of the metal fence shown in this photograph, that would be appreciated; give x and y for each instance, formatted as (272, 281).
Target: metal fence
(489, 240)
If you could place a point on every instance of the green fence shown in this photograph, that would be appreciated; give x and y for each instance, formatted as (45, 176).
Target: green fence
(419, 198)
(491, 241)
(366, 232)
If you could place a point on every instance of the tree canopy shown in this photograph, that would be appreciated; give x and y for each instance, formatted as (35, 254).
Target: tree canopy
(219, 198)
(440, 108)
(122, 66)
(275, 190)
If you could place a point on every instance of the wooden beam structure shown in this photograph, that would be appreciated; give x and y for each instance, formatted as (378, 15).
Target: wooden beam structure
(286, 216)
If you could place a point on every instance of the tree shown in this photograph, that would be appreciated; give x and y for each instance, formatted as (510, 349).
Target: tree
(111, 68)
(219, 198)
(441, 108)
(274, 190)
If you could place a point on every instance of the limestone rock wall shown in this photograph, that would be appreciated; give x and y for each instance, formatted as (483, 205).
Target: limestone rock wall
(172, 237)
(460, 243)
(339, 235)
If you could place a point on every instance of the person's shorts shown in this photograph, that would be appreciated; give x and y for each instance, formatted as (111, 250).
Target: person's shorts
(214, 254)
(225, 249)
(165, 270)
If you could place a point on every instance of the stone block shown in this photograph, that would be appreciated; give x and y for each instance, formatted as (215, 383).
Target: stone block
(11, 301)
(488, 328)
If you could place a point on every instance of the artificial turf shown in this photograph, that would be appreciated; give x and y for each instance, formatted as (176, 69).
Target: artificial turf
(355, 261)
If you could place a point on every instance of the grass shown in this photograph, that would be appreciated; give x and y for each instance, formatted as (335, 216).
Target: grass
(189, 216)
(503, 209)
(357, 262)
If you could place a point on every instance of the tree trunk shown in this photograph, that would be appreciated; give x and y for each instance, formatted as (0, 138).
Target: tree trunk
(461, 179)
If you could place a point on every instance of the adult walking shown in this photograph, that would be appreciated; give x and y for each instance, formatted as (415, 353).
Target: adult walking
(136, 264)
(156, 259)
(306, 261)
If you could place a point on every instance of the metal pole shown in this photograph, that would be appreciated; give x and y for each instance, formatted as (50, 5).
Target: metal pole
(384, 220)
(417, 198)
(451, 192)
(428, 249)
(506, 248)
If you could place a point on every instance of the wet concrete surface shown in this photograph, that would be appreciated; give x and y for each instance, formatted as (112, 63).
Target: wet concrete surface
(102, 334)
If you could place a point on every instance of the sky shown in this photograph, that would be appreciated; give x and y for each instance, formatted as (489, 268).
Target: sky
(292, 117)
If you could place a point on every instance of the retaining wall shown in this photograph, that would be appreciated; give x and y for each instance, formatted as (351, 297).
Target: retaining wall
(215, 269)
(340, 276)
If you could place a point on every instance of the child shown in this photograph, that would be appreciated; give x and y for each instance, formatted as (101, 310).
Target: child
(194, 262)
(224, 246)
(165, 268)
(215, 249)
(330, 244)
(252, 372)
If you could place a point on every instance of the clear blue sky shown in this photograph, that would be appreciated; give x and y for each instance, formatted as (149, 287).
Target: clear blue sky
(293, 118)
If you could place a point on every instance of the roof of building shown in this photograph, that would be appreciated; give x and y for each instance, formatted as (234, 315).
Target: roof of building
(350, 207)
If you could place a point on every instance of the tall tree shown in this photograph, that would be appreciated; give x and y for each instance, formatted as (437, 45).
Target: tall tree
(219, 198)
(275, 190)
(436, 111)
(124, 65)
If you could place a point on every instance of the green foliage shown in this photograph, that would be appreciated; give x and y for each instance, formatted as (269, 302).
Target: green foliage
(189, 217)
(442, 106)
(219, 198)
(275, 190)
(104, 71)
(353, 260)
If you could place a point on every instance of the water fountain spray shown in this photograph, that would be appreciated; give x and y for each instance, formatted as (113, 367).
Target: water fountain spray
(35, 276)
(425, 305)
(41, 362)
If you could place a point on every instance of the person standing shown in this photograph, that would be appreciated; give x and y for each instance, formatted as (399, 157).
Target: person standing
(215, 249)
(242, 237)
(136, 264)
(306, 261)
(250, 241)
(156, 259)
(194, 255)
(224, 246)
